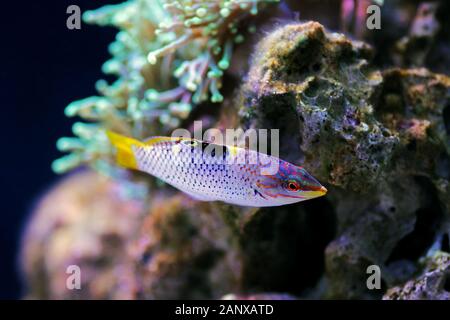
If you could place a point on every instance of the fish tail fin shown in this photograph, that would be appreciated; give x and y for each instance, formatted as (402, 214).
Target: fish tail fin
(124, 149)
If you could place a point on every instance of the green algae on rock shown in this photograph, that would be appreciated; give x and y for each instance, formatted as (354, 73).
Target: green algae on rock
(320, 86)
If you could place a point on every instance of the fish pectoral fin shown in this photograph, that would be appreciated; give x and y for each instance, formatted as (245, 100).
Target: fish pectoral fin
(198, 197)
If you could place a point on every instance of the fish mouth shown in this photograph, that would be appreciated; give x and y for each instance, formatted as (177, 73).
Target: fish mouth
(310, 194)
(313, 192)
(321, 191)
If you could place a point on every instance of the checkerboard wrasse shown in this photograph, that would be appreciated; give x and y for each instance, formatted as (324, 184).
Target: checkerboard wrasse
(215, 172)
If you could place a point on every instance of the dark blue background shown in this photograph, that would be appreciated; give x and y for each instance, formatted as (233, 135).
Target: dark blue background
(44, 66)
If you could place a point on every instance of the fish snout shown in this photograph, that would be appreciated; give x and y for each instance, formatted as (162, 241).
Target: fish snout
(311, 187)
(315, 192)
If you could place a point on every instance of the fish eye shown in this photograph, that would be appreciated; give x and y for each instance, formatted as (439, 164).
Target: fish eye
(292, 186)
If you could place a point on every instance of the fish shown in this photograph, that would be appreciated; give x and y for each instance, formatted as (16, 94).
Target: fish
(209, 171)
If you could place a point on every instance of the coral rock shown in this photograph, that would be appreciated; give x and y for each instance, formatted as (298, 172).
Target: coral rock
(432, 284)
(378, 140)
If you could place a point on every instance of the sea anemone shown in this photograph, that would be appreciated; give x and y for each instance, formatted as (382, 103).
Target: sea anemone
(168, 56)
